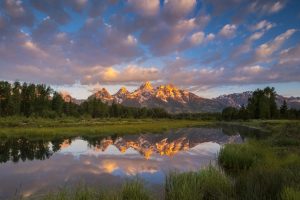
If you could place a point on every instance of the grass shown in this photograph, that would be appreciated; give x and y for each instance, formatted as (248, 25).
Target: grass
(237, 157)
(290, 194)
(208, 183)
(267, 168)
(68, 127)
(133, 190)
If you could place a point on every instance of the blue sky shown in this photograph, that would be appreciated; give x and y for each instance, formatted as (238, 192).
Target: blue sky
(210, 47)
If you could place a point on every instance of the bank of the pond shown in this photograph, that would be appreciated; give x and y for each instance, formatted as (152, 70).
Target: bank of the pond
(75, 127)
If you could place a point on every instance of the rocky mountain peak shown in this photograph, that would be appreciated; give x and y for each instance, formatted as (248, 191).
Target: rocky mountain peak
(122, 94)
(146, 86)
(103, 94)
(122, 90)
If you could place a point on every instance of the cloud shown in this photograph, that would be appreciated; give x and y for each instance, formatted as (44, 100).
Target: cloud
(276, 7)
(18, 12)
(40, 42)
(228, 31)
(146, 7)
(128, 75)
(266, 7)
(97, 7)
(262, 25)
(177, 9)
(290, 56)
(54, 9)
(171, 37)
(269, 48)
(199, 37)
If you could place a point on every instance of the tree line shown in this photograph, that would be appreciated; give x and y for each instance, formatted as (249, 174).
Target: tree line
(262, 105)
(40, 100)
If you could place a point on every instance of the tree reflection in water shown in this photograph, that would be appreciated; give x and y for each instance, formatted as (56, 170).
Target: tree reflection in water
(16, 149)
(22, 149)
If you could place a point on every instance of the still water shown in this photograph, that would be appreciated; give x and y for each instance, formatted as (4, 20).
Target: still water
(32, 167)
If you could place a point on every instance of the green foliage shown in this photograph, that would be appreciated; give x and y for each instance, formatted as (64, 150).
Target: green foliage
(290, 194)
(237, 157)
(260, 183)
(230, 113)
(133, 190)
(39, 100)
(262, 105)
(208, 183)
(37, 127)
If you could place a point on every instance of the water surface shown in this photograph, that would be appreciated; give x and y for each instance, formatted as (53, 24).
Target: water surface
(31, 167)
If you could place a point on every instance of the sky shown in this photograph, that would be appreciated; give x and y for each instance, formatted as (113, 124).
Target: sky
(210, 47)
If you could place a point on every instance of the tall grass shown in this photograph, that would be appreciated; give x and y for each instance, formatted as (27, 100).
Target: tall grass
(237, 157)
(208, 183)
(133, 190)
(259, 183)
(290, 194)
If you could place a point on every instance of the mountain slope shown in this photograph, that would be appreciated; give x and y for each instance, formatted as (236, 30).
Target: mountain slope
(239, 99)
(176, 100)
(168, 97)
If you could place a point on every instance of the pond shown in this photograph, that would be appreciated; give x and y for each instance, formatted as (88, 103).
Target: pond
(36, 166)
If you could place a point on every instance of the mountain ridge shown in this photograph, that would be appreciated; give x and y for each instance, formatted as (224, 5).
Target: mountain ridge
(175, 100)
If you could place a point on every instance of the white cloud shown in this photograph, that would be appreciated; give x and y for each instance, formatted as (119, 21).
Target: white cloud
(269, 48)
(176, 9)
(129, 74)
(197, 38)
(131, 40)
(276, 7)
(228, 30)
(251, 69)
(145, 7)
(264, 24)
(210, 37)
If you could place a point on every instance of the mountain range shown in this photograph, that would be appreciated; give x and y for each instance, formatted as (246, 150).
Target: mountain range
(176, 100)
(168, 144)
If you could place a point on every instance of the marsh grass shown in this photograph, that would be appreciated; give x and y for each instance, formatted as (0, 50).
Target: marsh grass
(133, 190)
(290, 194)
(208, 183)
(67, 127)
(234, 158)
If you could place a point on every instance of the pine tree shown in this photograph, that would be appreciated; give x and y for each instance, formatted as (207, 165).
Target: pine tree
(284, 110)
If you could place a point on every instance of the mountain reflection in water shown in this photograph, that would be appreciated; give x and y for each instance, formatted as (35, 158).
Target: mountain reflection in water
(41, 165)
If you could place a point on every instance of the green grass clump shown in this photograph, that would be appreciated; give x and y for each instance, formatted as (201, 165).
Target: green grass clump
(133, 190)
(208, 183)
(260, 183)
(290, 194)
(238, 157)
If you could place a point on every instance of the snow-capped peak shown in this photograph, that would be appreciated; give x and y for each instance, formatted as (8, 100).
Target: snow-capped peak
(146, 86)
